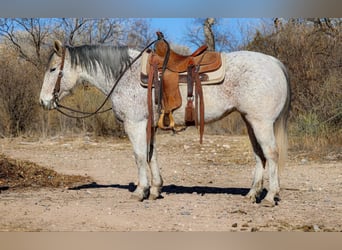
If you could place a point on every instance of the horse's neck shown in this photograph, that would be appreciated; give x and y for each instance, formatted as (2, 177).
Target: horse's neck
(97, 79)
(101, 81)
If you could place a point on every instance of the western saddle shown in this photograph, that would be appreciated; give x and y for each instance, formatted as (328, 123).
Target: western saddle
(165, 69)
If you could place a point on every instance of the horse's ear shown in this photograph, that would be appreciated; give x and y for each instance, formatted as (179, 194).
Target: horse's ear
(58, 47)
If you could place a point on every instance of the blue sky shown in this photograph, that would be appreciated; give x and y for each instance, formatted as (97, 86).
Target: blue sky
(175, 29)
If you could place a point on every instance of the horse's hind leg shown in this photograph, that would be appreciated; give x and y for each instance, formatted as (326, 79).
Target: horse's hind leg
(264, 134)
(136, 132)
(257, 184)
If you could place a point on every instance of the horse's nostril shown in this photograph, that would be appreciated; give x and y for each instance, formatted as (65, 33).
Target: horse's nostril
(43, 104)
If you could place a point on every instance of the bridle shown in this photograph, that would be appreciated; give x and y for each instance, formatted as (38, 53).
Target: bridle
(59, 78)
(56, 91)
(57, 87)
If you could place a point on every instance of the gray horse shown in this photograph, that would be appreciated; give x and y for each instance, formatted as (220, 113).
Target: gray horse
(256, 85)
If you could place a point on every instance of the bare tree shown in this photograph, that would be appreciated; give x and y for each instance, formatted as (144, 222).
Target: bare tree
(209, 34)
(194, 35)
(139, 34)
(211, 31)
(104, 31)
(116, 31)
(107, 29)
(23, 34)
(72, 28)
(77, 31)
(30, 37)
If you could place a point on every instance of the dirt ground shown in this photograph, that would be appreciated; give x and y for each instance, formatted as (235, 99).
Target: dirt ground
(204, 187)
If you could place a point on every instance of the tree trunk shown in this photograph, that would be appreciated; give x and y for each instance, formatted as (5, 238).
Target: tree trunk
(208, 33)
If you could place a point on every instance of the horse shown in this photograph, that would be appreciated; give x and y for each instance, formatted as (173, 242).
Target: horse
(256, 85)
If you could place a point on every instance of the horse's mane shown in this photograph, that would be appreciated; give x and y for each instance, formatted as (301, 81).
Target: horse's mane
(112, 60)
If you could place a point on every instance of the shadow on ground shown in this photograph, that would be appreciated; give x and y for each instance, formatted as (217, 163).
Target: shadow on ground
(172, 189)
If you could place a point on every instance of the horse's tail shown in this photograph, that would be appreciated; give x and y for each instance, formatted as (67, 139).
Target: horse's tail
(280, 125)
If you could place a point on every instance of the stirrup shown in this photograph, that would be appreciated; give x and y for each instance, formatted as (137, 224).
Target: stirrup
(161, 123)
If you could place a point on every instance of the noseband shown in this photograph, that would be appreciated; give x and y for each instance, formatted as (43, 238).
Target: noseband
(59, 78)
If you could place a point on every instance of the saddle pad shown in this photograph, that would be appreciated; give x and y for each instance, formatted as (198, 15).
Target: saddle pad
(208, 78)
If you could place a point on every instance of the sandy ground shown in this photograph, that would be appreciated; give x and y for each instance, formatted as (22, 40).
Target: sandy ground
(204, 188)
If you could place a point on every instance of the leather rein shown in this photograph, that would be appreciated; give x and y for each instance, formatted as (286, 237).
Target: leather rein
(57, 87)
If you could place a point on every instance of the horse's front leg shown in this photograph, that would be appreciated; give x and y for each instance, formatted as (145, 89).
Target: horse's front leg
(136, 132)
(157, 181)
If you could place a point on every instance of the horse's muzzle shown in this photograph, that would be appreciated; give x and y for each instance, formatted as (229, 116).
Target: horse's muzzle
(48, 105)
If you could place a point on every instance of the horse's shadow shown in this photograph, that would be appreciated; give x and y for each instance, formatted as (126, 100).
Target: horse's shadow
(130, 187)
(3, 188)
(174, 189)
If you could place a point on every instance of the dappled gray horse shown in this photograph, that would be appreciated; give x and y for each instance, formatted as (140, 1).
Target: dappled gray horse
(256, 85)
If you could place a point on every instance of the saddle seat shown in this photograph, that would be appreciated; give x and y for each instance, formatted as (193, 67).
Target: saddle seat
(205, 60)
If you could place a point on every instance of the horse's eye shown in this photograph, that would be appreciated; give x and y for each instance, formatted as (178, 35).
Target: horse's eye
(52, 70)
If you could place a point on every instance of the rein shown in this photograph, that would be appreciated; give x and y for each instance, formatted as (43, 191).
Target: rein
(98, 110)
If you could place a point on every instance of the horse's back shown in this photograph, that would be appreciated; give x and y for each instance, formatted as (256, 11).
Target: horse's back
(247, 64)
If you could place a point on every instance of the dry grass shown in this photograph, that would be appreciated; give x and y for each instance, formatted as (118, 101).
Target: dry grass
(18, 95)
(232, 125)
(313, 56)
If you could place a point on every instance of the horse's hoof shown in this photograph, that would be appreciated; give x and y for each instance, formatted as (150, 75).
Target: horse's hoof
(153, 197)
(137, 197)
(155, 193)
(268, 203)
(140, 194)
(251, 196)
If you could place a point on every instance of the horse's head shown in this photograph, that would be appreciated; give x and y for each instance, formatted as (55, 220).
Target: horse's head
(59, 77)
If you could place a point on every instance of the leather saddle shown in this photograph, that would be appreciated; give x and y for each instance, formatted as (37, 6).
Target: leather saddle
(164, 69)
